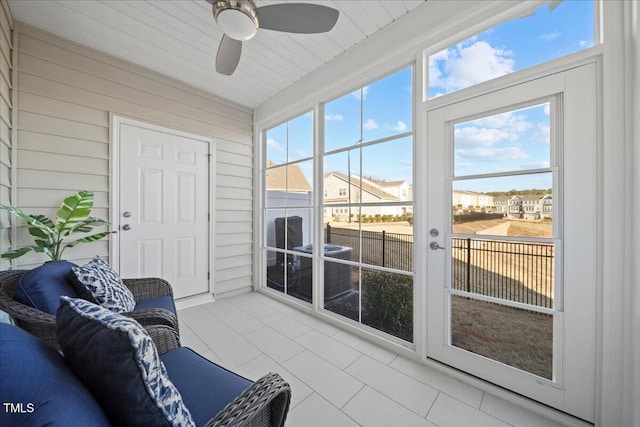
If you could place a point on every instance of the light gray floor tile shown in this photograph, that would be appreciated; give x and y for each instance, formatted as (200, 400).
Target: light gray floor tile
(332, 351)
(371, 408)
(330, 382)
(232, 349)
(190, 339)
(274, 344)
(337, 378)
(449, 412)
(315, 411)
(446, 384)
(286, 325)
(317, 324)
(234, 318)
(512, 414)
(410, 393)
(363, 346)
(253, 306)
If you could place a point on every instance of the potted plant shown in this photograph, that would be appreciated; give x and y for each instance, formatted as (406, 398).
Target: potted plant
(51, 238)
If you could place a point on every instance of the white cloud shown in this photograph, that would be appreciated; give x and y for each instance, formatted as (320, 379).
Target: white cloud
(492, 154)
(584, 44)
(542, 134)
(536, 165)
(471, 137)
(302, 154)
(360, 93)
(334, 117)
(468, 63)
(370, 124)
(547, 109)
(399, 127)
(547, 37)
(509, 122)
(274, 145)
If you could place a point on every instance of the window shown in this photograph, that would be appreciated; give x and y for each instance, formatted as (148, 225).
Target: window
(288, 215)
(368, 253)
(507, 155)
(553, 30)
(367, 206)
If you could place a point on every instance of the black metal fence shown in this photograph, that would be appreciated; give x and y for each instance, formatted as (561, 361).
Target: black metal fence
(380, 248)
(515, 271)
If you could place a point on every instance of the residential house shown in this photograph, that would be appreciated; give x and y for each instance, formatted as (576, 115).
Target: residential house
(340, 190)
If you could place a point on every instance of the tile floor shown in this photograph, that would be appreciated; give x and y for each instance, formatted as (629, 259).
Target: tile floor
(337, 378)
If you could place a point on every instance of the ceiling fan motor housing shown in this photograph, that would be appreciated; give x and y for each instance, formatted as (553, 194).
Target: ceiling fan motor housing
(237, 18)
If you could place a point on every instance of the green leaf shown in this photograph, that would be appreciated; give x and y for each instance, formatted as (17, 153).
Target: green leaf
(74, 210)
(15, 253)
(31, 220)
(88, 224)
(88, 239)
(43, 237)
(46, 221)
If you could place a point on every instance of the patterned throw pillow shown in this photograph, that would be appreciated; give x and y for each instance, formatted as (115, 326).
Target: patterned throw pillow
(105, 285)
(115, 358)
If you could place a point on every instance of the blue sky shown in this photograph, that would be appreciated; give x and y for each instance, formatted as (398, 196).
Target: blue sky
(517, 140)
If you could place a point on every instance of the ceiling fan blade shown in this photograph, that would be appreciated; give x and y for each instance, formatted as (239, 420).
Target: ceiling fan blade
(301, 18)
(228, 55)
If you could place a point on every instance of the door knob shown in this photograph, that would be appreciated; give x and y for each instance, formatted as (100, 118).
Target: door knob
(126, 227)
(435, 246)
(126, 214)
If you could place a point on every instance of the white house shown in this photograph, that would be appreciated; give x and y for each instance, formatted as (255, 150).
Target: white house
(340, 190)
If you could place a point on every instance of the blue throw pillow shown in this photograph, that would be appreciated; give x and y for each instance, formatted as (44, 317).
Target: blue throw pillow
(117, 361)
(42, 287)
(37, 387)
(105, 285)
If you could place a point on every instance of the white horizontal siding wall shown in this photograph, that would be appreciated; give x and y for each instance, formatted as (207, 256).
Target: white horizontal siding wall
(65, 95)
(6, 123)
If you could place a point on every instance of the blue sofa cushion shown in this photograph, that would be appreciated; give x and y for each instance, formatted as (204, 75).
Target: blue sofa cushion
(165, 302)
(39, 384)
(105, 285)
(206, 388)
(117, 361)
(42, 287)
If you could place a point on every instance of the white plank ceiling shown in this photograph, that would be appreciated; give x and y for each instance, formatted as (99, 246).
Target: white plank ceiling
(179, 39)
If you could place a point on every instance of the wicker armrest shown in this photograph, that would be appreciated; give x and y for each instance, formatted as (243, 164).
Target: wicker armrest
(34, 321)
(164, 337)
(154, 316)
(148, 287)
(265, 403)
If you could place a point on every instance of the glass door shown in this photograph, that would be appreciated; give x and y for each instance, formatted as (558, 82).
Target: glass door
(512, 218)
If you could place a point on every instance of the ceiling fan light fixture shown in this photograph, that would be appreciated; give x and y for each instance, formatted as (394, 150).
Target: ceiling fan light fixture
(237, 18)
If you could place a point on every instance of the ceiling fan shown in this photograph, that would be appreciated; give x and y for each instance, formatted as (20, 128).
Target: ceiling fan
(241, 19)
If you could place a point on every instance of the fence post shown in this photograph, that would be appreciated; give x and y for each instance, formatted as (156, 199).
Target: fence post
(468, 264)
(328, 233)
(383, 246)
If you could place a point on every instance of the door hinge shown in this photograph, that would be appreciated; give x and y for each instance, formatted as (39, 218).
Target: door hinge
(208, 275)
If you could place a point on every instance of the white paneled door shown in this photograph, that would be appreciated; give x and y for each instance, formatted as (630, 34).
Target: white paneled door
(513, 220)
(164, 204)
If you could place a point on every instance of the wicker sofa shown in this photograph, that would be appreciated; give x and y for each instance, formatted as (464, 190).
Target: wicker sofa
(146, 291)
(43, 390)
